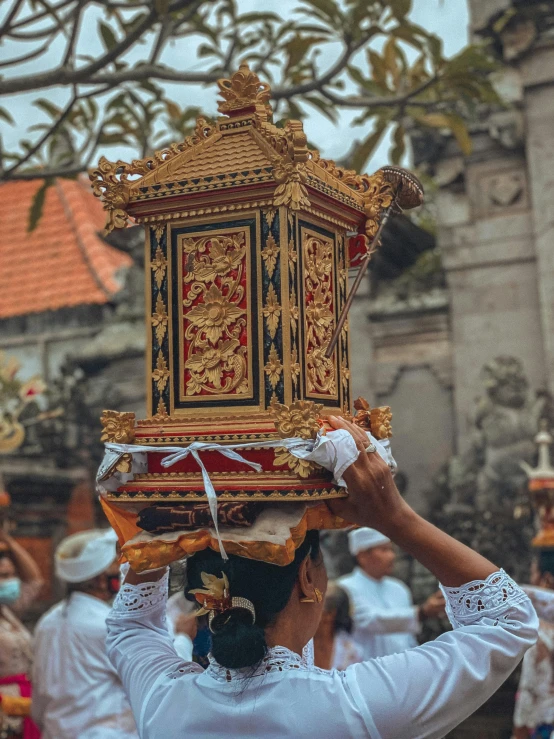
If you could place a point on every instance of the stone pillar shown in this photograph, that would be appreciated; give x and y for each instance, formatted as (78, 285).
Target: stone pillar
(537, 74)
(486, 235)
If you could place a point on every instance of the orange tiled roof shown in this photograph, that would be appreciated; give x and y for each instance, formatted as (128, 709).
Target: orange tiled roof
(63, 262)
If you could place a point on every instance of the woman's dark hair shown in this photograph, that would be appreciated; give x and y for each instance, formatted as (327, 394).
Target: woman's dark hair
(337, 600)
(239, 642)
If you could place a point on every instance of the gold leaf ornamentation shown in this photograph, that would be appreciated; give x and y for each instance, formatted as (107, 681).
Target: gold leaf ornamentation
(272, 311)
(124, 463)
(159, 230)
(300, 418)
(377, 197)
(294, 367)
(161, 413)
(159, 319)
(294, 312)
(291, 185)
(345, 373)
(110, 184)
(270, 216)
(293, 256)
(161, 373)
(159, 265)
(216, 358)
(274, 368)
(301, 467)
(320, 319)
(244, 91)
(380, 419)
(270, 252)
(117, 428)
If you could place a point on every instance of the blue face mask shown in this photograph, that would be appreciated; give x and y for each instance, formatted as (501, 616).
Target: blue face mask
(10, 590)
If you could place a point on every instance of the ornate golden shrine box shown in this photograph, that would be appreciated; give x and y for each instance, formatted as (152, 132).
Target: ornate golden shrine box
(247, 252)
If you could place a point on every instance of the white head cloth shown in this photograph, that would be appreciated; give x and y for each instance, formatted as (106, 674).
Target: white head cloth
(82, 556)
(361, 539)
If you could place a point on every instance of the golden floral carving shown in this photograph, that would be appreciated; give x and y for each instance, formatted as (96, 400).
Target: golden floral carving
(161, 413)
(274, 367)
(109, 183)
(216, 318)
(124, 463)
(318, 284)
(301, 418)
(159, 265)
(161, 374)
(159, 319)
(244, 90)
(270, 216)
(345, 373)
(294, 367)
(293, 256)
(117, 428)
(272, 311)
(381, 427)
(291, 188)
(270, 253)
(159, 230)
(215, 315)
(208, 367)
(377, 197)
(294, 312)
(301, 467)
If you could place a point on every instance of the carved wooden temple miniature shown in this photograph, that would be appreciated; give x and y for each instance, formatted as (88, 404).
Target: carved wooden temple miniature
(249, 234)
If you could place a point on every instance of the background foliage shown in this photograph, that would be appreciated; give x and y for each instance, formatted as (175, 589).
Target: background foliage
(329, 55)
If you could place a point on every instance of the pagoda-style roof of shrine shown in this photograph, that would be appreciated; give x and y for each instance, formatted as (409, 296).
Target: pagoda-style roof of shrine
(64, 261)
(242, 149)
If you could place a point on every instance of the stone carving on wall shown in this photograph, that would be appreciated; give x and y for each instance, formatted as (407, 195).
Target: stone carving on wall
(481, 496)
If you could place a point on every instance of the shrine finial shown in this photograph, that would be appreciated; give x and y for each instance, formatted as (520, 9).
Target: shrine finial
(244, 92)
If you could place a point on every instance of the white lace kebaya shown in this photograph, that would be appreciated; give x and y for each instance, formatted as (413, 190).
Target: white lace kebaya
(423, 692)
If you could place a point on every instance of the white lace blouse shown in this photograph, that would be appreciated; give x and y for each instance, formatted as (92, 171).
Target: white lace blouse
(423, 692)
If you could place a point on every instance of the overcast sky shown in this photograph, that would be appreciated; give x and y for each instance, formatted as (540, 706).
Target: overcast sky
(447, 18)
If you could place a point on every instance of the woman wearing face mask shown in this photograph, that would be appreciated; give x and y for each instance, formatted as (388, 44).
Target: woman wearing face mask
(20, 583)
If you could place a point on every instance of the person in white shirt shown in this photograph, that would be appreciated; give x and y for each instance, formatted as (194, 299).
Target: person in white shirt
(385, 619)
(262, 616)
(77, 692)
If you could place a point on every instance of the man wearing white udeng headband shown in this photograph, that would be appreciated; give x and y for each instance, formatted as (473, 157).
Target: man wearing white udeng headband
(385, 619)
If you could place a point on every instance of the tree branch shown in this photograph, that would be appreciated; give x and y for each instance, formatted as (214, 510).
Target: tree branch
(26, 57)
(382, 102)
(11, 15)
(51, 131)
(68, 58)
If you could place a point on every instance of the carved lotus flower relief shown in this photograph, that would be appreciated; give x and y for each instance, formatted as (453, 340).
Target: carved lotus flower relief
(215, 315)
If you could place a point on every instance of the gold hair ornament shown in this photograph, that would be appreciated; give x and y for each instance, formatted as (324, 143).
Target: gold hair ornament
(216, 599)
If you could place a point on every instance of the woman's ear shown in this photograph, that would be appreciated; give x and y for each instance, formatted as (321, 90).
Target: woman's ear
(305, 579)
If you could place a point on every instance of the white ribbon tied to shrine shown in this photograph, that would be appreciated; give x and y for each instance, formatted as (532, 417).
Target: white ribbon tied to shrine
(335, 451)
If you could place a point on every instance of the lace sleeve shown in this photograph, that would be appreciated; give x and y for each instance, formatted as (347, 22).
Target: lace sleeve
(140, 599)
(491, 598)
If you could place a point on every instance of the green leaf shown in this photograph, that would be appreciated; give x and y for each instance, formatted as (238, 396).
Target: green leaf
(6, 116)
(37, 205)
(108, 36)
(323, 106)
(400, 8)
(364, 150)
(452, 122)
(48, 107)
(391, 61)
(298, 47)
(328, 9)
(248, 18)
(378, 69)
(173, 109)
